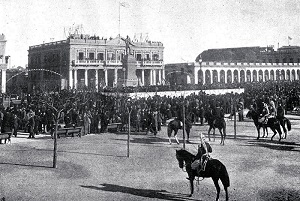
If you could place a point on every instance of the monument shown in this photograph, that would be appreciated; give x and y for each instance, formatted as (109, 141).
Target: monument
(129, 67)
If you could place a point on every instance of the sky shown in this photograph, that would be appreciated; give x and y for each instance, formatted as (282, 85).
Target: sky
(185, 27)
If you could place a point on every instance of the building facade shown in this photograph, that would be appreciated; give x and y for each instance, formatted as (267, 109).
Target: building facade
(237, 65)
(3, 62)
(83, 61)
(249, 64)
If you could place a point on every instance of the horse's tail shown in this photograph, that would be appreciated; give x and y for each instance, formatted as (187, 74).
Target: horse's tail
(288, 123)
(224, 176)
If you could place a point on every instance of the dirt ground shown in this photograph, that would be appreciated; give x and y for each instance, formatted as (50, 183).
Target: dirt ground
(96, 167)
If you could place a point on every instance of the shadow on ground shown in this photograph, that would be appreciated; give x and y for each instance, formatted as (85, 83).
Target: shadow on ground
(278, 194)
(146, 193)
(275, 145)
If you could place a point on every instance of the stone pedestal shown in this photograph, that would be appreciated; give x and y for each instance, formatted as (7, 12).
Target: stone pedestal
(129, 71)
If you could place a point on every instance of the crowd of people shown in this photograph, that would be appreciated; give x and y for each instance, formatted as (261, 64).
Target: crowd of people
(38, 113)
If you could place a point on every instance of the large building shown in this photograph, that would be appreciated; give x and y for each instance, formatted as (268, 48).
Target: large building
(243, 64)
(83, 61)
(3, 63)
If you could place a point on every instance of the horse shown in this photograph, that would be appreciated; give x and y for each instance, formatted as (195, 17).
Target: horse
(214, 123)
(272, 123)
(285, 122)
(214, 169)
(175, 125)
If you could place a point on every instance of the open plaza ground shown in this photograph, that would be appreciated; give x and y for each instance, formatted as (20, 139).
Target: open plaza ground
(96, 167)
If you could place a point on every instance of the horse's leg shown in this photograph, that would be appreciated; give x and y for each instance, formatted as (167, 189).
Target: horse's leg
(274, 134)
(222, 137)
(258, 132)
(191, 186)
(188, 134)
(209, 129)
(217, 187)
(175, 136)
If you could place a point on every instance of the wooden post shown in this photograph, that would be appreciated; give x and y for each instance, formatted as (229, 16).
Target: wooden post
(234, 117)
(183, 122)
(55, 145)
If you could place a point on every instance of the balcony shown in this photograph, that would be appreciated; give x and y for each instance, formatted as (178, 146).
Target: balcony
(113, 63)
(152, 63)
(88, 62)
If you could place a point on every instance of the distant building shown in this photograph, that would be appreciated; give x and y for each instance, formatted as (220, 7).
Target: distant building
(179, 73)
(83, 61)
(247, 64)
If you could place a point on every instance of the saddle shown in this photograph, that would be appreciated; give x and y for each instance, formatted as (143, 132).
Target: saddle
(200, 164)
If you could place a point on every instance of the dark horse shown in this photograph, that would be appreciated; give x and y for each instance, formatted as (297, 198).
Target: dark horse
(272, 123)
(214, 169)
(214, 123)
(175, 125)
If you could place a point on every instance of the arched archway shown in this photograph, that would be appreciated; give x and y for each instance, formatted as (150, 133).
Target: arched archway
(242, 76)
(254, 76)
(266, 75)
(248, 75)
(288, 74)
(272, 77)
(229, 76)
(207, 77)
(215, 76)
(200, 77)
(293, 75)
(260, 76)
(235, 76)
(222, 76)
(282, 75)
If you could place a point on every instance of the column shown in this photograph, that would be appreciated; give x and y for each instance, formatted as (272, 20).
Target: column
(105, 77)
(75, 79)
(71, 78)
(219, 76)
(116, 77)
(143, 77)
(225, 76)
(3, 81)
(96, 80)
(263, 75)
(151, 75)
(159, 76)
(86, 77)
(154, 77)
(196, 75)
(164, 75)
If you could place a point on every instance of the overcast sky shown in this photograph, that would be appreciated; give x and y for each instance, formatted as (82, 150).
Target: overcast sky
(185, 27)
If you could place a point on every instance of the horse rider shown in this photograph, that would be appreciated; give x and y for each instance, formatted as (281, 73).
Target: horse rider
(272, 110)
(280, 116)
(202, 156)
(265, 113)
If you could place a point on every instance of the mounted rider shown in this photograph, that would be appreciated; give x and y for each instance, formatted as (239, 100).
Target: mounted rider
(265, 114)
(202, 156)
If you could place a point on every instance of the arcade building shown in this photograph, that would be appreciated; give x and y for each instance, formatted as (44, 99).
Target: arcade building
(84, 61)
(243, 64)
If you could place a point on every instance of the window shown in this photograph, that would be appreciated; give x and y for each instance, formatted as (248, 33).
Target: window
(81, 56)
(138, 57)
(155, 57)
(91, 55)
(100, 56)
(270, 61)
(147, 57)
(291, 60)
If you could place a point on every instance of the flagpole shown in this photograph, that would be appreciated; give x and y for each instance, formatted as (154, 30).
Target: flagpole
(119, 20)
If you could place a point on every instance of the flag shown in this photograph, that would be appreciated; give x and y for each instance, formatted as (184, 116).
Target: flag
(124, 4)
(289, 38)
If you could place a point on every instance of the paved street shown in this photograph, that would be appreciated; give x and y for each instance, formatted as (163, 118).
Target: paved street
(96, 167)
